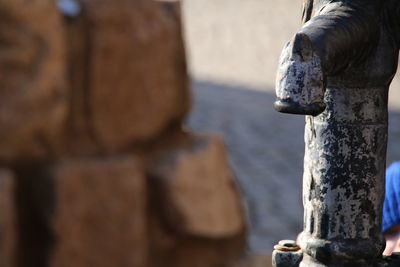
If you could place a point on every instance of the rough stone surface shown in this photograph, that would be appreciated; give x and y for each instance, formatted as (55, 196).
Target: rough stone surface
(286, 258)
(344, 173)
(136, 70)
(33, 96)
(345, 154)
(306, 97)
(198, 188)
(8, 234)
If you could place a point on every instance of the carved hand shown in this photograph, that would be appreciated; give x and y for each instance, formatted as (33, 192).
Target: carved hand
(342, 36)
(300, 82)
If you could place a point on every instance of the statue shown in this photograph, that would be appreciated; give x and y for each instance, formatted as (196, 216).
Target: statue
(337, 70)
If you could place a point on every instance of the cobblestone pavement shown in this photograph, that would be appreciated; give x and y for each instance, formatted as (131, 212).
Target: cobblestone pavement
(266, 150)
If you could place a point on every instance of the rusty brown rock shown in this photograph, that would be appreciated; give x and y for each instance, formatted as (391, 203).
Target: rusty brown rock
(137, 82)
(196, 189)
(100, 214)
(196, 216)
(33, 101)
(8, 219)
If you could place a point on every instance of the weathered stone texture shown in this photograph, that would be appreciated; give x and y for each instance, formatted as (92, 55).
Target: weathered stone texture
(7, 218)
(99, 213)
(33, 102)
(136, 78)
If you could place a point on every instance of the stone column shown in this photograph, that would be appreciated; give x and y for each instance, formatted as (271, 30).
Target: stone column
(343, 184)
(337, 70)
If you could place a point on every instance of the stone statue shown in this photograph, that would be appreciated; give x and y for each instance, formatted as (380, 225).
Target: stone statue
(337, 70)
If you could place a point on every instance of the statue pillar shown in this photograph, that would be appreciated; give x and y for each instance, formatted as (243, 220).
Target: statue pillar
(337, 71)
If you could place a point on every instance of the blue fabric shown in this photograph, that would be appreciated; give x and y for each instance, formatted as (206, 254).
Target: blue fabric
(391, 207)
(69, 7)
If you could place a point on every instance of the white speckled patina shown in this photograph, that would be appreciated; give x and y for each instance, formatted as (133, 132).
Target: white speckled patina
(343, 176)
(300, 78)
(345, 152)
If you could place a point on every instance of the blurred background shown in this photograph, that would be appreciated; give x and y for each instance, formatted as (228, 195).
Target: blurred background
(233, 48)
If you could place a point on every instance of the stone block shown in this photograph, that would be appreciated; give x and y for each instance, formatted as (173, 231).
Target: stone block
(196, 216)
(33, 92)
(136, 81)
(8, 219)
(197, 190)
(84, 212)
(100, 214)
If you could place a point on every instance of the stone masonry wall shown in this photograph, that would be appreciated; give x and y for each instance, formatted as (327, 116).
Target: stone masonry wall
(96, 169)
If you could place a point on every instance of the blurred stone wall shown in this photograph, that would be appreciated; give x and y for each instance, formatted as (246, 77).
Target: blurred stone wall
(96, 169)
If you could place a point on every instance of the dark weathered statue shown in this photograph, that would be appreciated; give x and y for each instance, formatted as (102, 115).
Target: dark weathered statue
(337, 70)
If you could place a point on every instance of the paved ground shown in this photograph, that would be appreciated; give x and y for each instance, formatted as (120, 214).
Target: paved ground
(266, 150)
